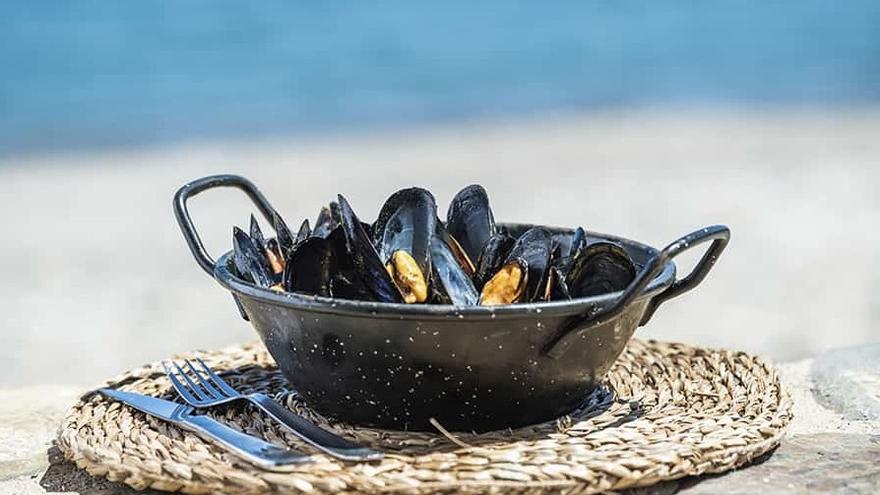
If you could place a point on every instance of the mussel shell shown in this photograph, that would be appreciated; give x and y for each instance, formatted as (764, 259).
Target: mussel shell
(533, 249)
(407, 222)
(469, 219)
(364, 257)
(256, 233)
(492, 258)
(450, 283)
(310, 267)
(463, 259)
(335, 213)
(578, 242)
(250, 261)
(282, 233)
(325, 223)
(303, 233)
(556, 288)
(600, 268)
(346, 282)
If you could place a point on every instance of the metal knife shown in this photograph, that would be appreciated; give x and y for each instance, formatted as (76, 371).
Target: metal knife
(252, 449)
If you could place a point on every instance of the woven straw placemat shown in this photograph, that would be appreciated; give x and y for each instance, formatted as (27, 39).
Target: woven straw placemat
(665, 411)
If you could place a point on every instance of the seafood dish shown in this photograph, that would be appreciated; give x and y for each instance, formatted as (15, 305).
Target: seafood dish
(409, 255)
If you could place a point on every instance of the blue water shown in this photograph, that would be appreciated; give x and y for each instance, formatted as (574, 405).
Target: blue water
(80, 73)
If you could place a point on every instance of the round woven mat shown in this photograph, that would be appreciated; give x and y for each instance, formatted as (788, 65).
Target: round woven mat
(665, 411)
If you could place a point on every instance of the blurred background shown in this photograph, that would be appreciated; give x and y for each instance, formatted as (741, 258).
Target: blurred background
(644, 120)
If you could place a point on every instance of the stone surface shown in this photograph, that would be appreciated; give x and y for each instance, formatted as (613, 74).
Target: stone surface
(29, 418)
(825, 452)
(848, 381)
(817, 463)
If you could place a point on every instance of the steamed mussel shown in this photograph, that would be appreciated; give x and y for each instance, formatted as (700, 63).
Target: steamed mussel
(409, 255)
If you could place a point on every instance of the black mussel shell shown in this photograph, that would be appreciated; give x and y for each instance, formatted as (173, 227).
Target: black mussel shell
(450, 282)
(282, 233)
(257, 233)
(533, 250)
(250, 261)
(346, 282)
(269, 248)
(556, 289)
(470, 221)
(407, 222)
(335, 213)
(303, 233)
(578, 242)
(567, 249)
(492, 258)
(463, 259)
(325, 223)
(600, 268)
(364, 257)
(310, 267)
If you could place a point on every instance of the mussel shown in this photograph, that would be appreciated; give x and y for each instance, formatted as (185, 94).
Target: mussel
(325, 222)
(310, 267)
(250, 260)
(598, 269)
(451, 273)
(303, 233)
(470, 220)
(492, 257)
(283, 235)
(364, 258)
(523, 274)
(402, 237)
(270, 249)
(408, 255)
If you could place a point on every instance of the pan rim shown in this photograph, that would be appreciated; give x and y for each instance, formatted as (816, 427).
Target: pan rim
(374, 309)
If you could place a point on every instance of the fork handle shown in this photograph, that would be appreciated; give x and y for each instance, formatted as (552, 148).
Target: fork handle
(251, 449)
(312, 434)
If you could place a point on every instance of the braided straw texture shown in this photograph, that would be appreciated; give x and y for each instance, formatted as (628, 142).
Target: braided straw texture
(665, 411)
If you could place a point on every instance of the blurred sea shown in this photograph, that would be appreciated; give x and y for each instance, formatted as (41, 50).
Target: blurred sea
(83, 74)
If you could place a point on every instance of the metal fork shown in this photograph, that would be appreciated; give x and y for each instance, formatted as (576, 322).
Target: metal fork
(206, 389)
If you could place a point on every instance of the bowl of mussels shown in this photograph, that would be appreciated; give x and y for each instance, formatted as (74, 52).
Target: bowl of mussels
(449, 316)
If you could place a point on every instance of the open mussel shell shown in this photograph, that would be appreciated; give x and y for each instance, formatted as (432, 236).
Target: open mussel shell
(402, 237)
(556, 288)
(282, 233)
(310, 267)
(470, 221)
(304, 232)
(325, 223)
(450, 281)
(522, 277)
(492, 258)
(533, 248)
(598, 269)
(256, 233)
(364, 257)
(407, 222)
(250, 260)
(346, 281)
(269, 247)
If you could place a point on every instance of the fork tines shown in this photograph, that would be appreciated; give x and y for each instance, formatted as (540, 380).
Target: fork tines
(198, 384)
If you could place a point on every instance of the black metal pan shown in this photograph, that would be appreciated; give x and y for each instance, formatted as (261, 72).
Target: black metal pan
(470, 367)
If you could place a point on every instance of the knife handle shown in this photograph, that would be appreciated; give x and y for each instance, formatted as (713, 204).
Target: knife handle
(251, 449)
(306, 430)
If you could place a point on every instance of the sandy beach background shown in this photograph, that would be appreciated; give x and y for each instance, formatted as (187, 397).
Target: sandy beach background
(97, 277)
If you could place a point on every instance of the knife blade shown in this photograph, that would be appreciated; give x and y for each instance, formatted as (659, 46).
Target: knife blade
(252, 449)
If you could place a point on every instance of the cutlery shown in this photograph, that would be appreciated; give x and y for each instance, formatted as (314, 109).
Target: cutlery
(206, 389)
(252, 449)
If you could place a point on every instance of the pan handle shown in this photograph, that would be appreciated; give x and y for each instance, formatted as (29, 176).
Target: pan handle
(718, 234)
(181, 212)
